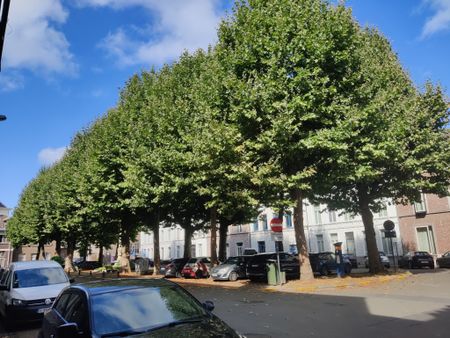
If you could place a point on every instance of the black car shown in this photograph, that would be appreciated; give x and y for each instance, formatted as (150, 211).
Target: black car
(87, 265)
(129, 307)
(444, 260)
(324, 263)
(257, 265)
(416, 259)
(173, 269)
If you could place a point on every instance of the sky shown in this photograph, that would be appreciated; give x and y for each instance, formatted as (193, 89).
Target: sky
(65, 61)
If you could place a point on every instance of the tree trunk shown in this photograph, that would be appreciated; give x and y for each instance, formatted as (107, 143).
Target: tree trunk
(100, 254)
(156, 256)
(38, 254)
(58, 245)
(223, 232)
(68, 261)
(43, 251)
(375, 265)
(214, 261)
(187, 241)
(116, 255)
(125, 252)
(306, 272)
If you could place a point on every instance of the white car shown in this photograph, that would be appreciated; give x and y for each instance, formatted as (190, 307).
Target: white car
(27, 289)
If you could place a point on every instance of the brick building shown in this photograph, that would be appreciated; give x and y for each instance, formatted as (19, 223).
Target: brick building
(425, 226)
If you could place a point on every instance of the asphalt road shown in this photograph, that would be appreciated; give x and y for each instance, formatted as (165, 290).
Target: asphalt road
(416, 307)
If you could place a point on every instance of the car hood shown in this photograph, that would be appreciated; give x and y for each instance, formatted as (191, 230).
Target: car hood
(212, 327)
(38, 292)
(223, 267)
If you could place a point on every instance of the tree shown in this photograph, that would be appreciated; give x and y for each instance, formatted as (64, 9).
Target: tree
(390, 143)
(288, 67)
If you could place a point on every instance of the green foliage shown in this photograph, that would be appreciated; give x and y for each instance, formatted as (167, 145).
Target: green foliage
(58, 259)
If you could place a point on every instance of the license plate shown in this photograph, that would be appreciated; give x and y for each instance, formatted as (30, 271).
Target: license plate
(215, 274)
(43, 310)
(424, 261)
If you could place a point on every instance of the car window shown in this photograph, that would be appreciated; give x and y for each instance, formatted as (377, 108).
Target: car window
(76, 312)
(142, 308)
(5, 278)
(60, 304)
(39, 277)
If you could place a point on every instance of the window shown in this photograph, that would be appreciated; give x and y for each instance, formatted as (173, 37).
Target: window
(169, 252)
(317, 214)
(386, 243)
(348, 216)
(293, 249)
(239, 248)
(425, 239)
(178, 251)
(193, 250)
(264, 222)
(332, 216)
(239, 228)
(200, 250)
(420, 206)
(383, 211)
(255, 225)
(60, 305)
(320, 246)
(279, 246)
(261, 246)
(350, 243)
(333, 239)
(162, 253)
(288, 219)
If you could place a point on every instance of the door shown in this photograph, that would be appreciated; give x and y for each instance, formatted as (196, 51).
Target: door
(425, 239)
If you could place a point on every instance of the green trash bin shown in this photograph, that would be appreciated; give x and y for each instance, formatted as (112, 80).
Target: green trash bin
(283, 277)
(271, 273)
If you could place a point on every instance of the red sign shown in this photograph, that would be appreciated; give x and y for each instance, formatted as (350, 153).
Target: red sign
(276, 225)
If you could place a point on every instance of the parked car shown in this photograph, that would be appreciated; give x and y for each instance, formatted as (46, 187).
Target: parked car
(29, 288)
(444, 260)
(257, 265)
(174, 268)
(131, 307)
(249, 252)
(196, 268)
(87, 265)
(324, 263)
(383, 259)
(352, 259)
(232, 269)
(163, 265)
(416, 259)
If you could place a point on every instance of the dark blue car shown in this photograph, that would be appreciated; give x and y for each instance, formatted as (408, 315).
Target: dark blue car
(324, 263)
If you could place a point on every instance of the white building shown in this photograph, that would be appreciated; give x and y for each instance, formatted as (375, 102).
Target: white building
(322, 229)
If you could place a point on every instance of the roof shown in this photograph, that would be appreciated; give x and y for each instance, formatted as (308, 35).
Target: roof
(2, 205)
(34, 265)
(114, 285)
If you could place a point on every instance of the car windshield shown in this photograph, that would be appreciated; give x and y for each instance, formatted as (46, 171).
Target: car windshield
(232, 260)
(421, 253)
(141, 309)
(39, 277)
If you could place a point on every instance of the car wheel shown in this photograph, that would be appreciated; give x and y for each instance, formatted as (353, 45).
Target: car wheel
(198, 274)
(324, 271)
(233, 276)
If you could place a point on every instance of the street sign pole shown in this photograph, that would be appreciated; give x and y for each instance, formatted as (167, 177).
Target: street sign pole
(276, 225)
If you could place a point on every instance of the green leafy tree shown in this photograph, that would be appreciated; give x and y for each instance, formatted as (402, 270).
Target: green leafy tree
(288, 67)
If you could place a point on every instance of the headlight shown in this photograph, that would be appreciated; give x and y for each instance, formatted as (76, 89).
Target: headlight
(18, 302)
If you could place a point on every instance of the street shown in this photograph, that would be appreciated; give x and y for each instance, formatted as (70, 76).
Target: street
(418, 306)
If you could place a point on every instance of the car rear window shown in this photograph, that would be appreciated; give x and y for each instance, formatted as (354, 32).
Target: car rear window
(421, 253)
(39, 277)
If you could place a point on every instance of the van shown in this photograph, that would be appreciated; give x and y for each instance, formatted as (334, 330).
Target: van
(27, 289)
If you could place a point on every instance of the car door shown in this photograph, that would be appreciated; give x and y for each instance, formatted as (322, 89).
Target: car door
(289, 264)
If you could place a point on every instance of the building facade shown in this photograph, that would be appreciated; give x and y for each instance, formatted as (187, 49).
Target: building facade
(322, 229)
(6, 249)
(425, 226)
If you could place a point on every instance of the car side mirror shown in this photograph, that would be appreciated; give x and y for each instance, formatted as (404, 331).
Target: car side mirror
(72, 280)
(69, 330)
(208, 305)
(4, 287)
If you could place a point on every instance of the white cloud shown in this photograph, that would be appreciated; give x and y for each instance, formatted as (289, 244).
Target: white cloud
(33, 40)
(49, 156)
(176, 26)
(11, 81)
(440, 21)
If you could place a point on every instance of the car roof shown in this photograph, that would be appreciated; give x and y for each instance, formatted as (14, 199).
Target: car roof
(120, 284)
(34, 265)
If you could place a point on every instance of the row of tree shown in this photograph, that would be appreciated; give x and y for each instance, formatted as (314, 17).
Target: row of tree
(295, 101)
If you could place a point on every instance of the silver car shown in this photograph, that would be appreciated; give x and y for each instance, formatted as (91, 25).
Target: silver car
(232, 269)
(383, 258)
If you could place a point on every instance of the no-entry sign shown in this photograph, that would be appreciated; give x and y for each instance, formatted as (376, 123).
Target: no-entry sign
(276, 225)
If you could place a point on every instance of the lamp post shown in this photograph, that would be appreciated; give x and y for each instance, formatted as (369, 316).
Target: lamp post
(2, 117)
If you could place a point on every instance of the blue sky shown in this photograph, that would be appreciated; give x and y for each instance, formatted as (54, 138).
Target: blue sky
(65, 61)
